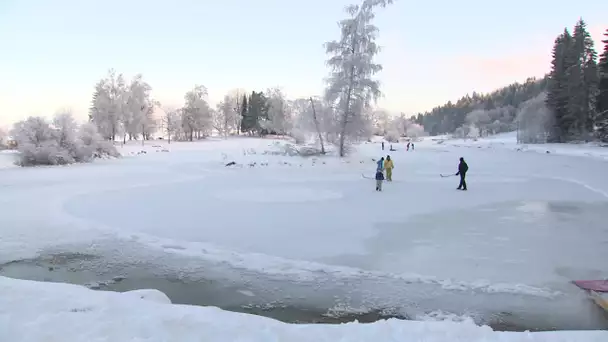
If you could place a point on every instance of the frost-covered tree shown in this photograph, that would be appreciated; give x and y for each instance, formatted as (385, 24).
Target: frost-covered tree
(479, 118)
(414, 130)
(224, 120)
(172, 123)
(66, 133)
(392, 134)
(382, 122)
(3, 138)
(279, 112)
(534, 120)
(37, 142)
(121, 109)
(312, 119)
(91, 144)
(108, 104)
(452, 115)
(236, 97)
(197, 120)
(137, 117)
(492, 121)
(62, 142)
(351, 87)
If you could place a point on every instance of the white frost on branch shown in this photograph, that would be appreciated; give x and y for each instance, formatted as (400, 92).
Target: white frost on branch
(139, 109)
(351, 88)
(533, 120)
(313, 119)
(279, 112)
(171, 124)
(224, 120)
(108, 105)
(3, 138)
(197, 116)
(118, 109)
(62, 142)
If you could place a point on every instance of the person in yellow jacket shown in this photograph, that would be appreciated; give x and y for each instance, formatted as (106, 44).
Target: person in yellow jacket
(388, 166)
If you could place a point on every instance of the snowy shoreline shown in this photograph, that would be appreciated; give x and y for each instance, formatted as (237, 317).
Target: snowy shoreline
(37, 311)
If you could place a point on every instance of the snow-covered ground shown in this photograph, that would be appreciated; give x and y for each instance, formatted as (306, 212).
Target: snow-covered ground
(34, 312)
(7, 159)
(509, 141)
(529, 224)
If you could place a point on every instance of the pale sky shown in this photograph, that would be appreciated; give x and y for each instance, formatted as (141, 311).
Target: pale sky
(53, 51)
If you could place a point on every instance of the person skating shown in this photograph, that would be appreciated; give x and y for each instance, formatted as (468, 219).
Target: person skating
(380, 164)
(388, 166)
(379, 179)
(462, 172)
(383, 146)
(408, 146)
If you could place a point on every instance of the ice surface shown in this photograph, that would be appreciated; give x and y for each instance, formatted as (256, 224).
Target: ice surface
(529, 224)
(36, 312)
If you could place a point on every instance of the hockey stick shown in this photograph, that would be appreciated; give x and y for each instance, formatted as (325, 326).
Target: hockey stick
(443, 176)
(366, 177)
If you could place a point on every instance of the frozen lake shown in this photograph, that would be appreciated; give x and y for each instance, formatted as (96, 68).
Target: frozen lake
(316, 230)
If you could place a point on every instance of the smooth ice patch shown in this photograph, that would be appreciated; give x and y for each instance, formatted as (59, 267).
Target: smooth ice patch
(534, 207)
(246, 293)
(278, 195)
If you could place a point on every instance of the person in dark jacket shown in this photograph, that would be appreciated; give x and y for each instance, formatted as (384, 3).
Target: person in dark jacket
(462, 172)
(379, 179)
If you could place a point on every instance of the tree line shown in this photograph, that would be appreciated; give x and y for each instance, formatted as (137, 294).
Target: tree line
(342, 115)
(577, 89)
(568, 104)
(125, 110)
(482, 114)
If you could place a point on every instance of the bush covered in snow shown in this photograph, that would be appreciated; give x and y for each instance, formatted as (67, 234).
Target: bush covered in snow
(392, 135)
(3, 139)
(61, 142)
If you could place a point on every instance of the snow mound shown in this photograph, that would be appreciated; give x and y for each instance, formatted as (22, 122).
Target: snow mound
(37, 311)
(150, 295)
(278, 195)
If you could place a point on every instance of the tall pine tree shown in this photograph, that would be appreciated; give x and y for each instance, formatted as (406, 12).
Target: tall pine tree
(254, 108)
(584, 79)
(573, 86)
(602, 97)
(558, 89)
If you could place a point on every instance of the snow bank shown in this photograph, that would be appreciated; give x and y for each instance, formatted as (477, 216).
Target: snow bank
(509, 141)
(36, 311)
(150, 294)
(8, 159)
